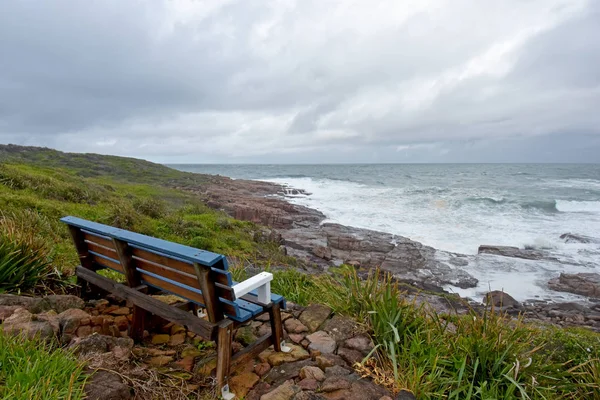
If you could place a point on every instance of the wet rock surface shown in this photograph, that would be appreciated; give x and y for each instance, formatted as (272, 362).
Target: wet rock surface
(584, 284)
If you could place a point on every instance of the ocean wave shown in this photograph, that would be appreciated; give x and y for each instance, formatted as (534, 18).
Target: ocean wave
(542, 205)
(486, 200)
(578, 206)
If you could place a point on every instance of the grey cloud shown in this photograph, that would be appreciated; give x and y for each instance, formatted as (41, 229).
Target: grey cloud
(299, 81)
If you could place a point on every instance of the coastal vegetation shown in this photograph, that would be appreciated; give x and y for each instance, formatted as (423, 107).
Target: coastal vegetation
(482, 354)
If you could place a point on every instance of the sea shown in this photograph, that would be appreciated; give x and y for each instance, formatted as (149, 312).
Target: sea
(457, 208)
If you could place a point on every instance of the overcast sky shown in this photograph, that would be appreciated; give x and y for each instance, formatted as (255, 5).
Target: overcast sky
(304, 80)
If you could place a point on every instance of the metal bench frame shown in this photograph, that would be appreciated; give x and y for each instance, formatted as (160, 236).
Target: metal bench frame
(227, 304)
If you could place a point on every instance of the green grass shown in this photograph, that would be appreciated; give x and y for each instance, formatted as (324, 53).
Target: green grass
(437, 356)
(32, 370)
(33, 199)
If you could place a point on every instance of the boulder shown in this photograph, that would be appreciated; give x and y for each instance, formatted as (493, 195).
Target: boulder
(584, 284)
(314, 316)
(510, 251)
(575, 238)
(350, 356)
(43, 326)
(278, 358)
(360, 343)
(241, 384)
(310, 372)
(322, 342)
(36, 305)
(104, 385)
(99, 344)
(292, 325)
(341, 328)
(7, 311)
(71, 319)
(498, 298)
(284, 392)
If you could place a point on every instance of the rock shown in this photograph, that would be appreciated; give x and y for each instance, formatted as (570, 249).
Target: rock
(329, 360)
(386, 398)
(84, 331)
(585, 284)
(22, 322)
(277, 358)
(314, 316)
(498, 298)
(282, 373)
(296, 337)
(405, 395)
(121, 311)
(574, 238)
(509, 251)
(104, 385)
(191, 351)
(308, 395)
(360, 343)
(241, 384)
(25, 302)
(262, 369)
(337, 370)
(160, 361)
(359, 390)
(311, 372)
(308, 384)
(260, 389)
(177, 339)
(292, 325)
(7, 311)
(350, 356)
(60, 303)
(341, 328)
(99, 344)
(122, 323)
(161, 339)
(71, 319)
(283, 392)
(245, 335)
(335, 383)
(322, 342)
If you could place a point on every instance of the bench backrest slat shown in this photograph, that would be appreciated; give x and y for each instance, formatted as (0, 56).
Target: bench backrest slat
(164, 265)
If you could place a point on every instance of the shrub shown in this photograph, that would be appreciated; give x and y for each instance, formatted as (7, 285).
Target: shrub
(31, 370)
(22, 266)
(150, 207)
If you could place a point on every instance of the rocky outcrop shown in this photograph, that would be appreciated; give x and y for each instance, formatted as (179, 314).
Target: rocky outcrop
(319, 246)
(575, 238)
(407, 260)
(509, 251)
(584, 284)
(497, 298)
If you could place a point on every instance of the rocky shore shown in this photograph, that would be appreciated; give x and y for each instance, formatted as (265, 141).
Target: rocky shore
(302, 233)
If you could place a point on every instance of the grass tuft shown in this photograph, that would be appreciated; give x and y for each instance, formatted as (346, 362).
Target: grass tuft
(33, 370)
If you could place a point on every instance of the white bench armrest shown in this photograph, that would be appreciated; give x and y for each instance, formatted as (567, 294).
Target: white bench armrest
(260, 282)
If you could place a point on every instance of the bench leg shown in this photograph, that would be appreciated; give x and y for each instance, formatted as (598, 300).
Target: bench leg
(138, 323)
(224, 350)
(276, 326)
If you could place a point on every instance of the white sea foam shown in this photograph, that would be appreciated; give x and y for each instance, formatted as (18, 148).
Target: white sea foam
(578, 206)
(460, 220)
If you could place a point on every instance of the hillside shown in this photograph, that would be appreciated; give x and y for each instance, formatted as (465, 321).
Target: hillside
(38, 186)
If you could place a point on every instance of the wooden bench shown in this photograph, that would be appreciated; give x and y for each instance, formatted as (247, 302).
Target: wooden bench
(200, 277)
